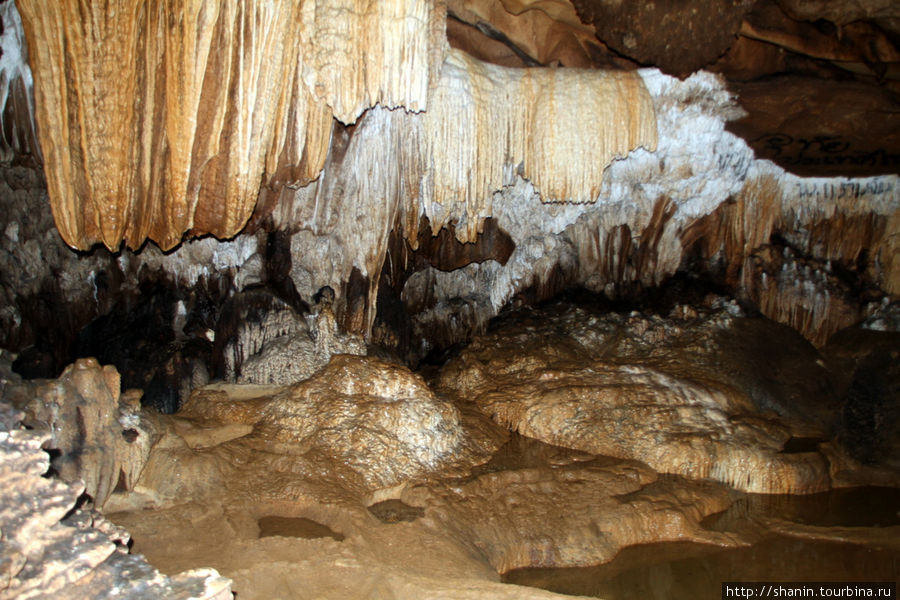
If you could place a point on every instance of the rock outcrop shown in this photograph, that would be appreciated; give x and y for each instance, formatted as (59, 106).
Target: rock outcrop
(669, 392)
(376, 419)
(296, 353)
(99, 434)
(52, 549)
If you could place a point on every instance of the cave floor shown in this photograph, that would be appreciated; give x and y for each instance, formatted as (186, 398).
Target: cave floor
(531, 503)
(604, 455)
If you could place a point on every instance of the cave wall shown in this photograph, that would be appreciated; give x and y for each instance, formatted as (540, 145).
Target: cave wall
(659, 184)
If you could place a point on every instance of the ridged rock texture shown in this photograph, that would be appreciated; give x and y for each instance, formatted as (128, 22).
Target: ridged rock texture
(50, 549)
(702, 194)
(379, 420)
(675, 393)
(701, 200)
(259, 113)
(522, 32)
(169, 123)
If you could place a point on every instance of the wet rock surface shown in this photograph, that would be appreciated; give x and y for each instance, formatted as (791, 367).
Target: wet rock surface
(368, 480)
(673, 391)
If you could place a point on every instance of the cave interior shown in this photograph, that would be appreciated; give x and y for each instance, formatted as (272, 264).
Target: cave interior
(508, 299)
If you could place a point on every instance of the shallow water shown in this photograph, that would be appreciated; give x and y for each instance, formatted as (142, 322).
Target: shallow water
(689, 570)
(848, 507)
(671, 571)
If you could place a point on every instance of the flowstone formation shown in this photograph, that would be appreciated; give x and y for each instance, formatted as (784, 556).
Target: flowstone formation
(284, 349)
(221, 118)
(273, 127)
(377, 419)
(685, 394)
(372, 424)
(289, 490)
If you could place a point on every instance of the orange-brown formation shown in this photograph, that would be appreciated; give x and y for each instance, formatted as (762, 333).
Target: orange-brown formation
(161, 119)
(833, 224)
(165, 120)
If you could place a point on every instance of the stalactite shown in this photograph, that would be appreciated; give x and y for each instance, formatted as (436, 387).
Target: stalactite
(359, 53)
(17, 134)
(162, 119)
(829, 221)
(563, 126)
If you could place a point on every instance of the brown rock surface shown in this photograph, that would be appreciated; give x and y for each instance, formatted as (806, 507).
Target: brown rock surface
(534, 32)
(378, 419)
(814, 127)
(102, 437)
(376, 423)
(609, 504)
(531, 504)
(281, 489)
(666, 34)
(670, 392)
(839, 12)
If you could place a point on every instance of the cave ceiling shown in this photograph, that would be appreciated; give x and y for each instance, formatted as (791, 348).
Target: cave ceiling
(174, 121)
(605, 144)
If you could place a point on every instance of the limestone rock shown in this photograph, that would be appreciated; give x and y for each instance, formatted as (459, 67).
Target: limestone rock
(608, 505)
(803, 293)
(289, 359)
(540, 32)
(376, 421)
(812, 127)
(859, 46)
(261, 339)
(379, 419)
(883, 317)
(17, 136)
(101, 436)
(249, 321)
(702, 194)
(837, 12)
(647, 389)
(47, 553)
(513, 117)
(226, 94)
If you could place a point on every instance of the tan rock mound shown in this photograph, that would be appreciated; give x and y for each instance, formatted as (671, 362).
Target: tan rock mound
(651, 389)
(379, 419)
